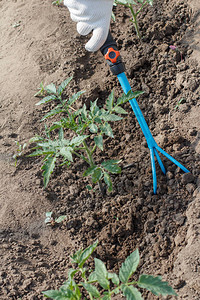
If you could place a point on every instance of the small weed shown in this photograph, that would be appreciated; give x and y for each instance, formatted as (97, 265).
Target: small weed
(102, 284)
(179, 103)
(58, 2)
(135, 12)
(20, 151)
(50, 220)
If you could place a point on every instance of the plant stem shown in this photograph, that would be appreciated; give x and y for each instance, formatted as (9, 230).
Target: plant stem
(92, 164)
(134, 21)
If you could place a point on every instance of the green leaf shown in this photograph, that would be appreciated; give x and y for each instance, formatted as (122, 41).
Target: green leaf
(129, 266)
(51, 88)
(111, 118)
(110, 101)
(108, 181)
(107, 130)
(41, 152)
(129, 96)
(89, 187)
(75, 97)
(111, 166)
(84, 113)
(91, 289)
(48, 168)
(78, 140)
(60, 219)
(49, 214)
(101, 273)
(131, 293)
(66, 153)
(156, 285)
(46, 99)
(93, 128)
(89, 171)
(53, 112)
(106, 297)
(63, 85)
(86, 253)
(36, 139)
(92, 277)
(99, 141)
(150, 2)
(119, 110)
(93, 107)
(114, 278)
(97, 174)
(57, 295)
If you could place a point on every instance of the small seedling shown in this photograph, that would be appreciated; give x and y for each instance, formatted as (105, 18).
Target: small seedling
(20, 151)
(41, 90)
(58, 2)
(179, 103)
(88, 127)
(101, 284)
(50, 220)
(16, 24)
(135, 12)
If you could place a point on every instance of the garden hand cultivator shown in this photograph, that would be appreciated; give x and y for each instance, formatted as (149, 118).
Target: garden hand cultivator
(113, 58)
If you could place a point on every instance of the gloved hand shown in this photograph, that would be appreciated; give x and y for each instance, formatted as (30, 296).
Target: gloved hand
(91, 15)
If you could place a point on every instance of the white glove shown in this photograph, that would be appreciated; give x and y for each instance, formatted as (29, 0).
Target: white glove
(91, 15)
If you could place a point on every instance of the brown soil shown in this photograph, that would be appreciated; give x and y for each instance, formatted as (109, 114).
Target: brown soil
(39, 43)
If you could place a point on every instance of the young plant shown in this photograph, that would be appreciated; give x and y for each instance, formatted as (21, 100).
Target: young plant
(50, 220)
(20, 151)
(88, 127)
(102, 284)
(179, 103)
(135, 12)
(57, 2)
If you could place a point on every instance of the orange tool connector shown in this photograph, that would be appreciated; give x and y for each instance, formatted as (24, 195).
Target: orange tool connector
(112, 55)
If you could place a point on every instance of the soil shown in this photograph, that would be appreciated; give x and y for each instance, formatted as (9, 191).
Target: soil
(39, 43)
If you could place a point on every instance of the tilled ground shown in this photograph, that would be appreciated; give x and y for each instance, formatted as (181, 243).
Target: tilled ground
(164, 227)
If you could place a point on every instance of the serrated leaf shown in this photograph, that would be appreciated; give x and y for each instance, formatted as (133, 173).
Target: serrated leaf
(84, 113)
(36, 139)
(114, 278)
(86, 253)
(91, 289)
(156, 285)
(63, 85)
(111, 118)
(99, 141)
(111, 166)
(48, 168)
(129, 266)
(129, 96)
(60, 219)
(119, 110)
(108, 181)
(46, 99)
(51, 88)
(41, 152)
(66, 153)
(53, 112)
(96, 175)
(110, 101)
(93, 107)
(78, 140)
(93, 128)
(106, 129)
(75, 97)
(101, 273)
(89, 171)
(131, 293)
